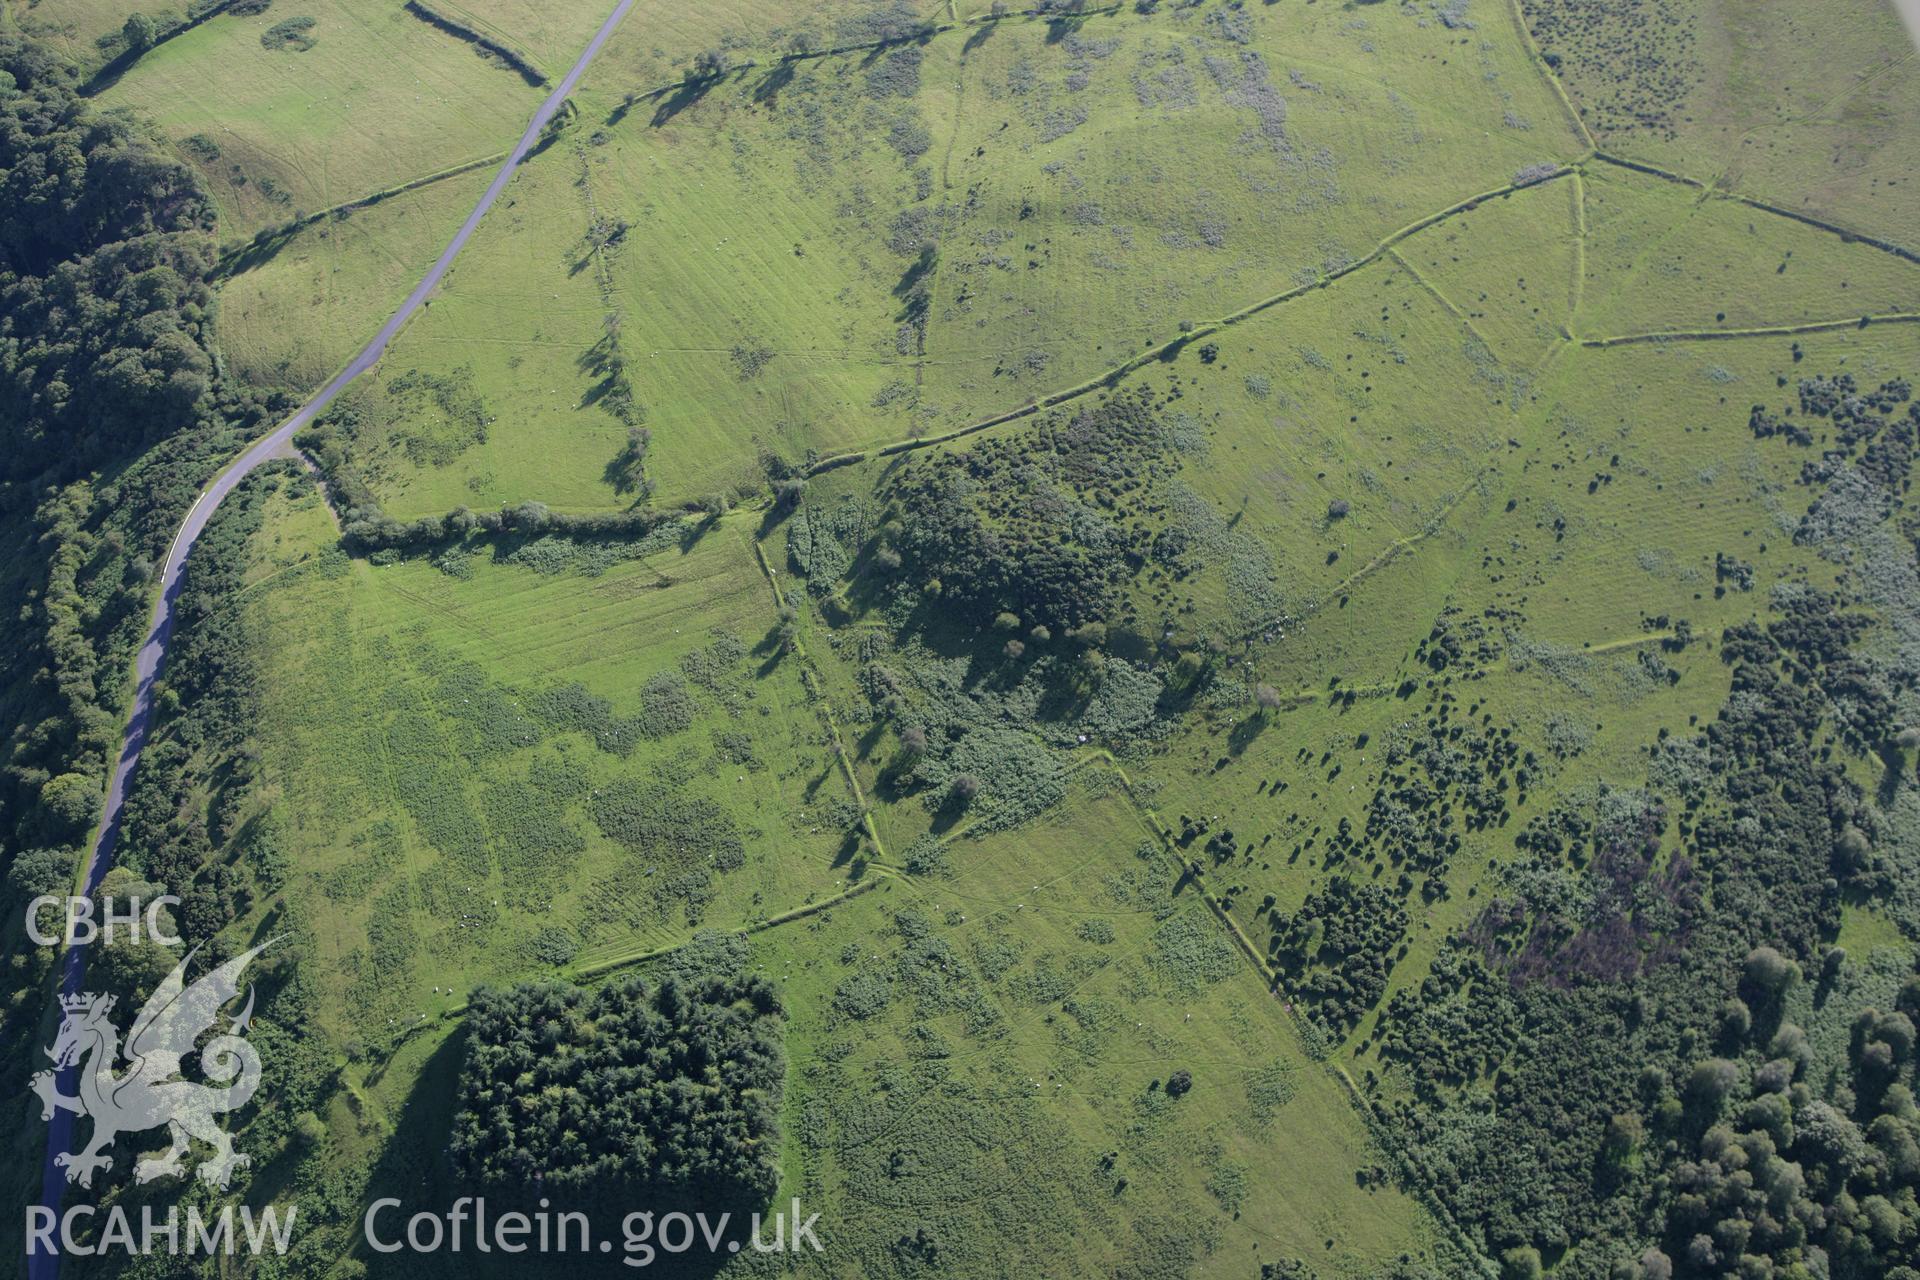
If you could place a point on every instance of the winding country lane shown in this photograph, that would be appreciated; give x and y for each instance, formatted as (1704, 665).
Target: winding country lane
(153, 652)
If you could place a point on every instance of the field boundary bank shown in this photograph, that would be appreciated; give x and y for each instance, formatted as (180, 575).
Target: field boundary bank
(1712, 192)
(1312, 1041)
(1845, 233)
(1758, 331)
(1532, 50)
(497, 46)
(920, 31)
(598, 969)
(1433, 291)
(811, 680)
(109, 72)
(270, 240)
(1171, 347)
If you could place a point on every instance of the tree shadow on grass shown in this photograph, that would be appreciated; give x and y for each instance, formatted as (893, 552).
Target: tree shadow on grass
(811, 790)
(767, 92)
(1058, 29)
(624, 472)
(262, 249)
(949, 812)
(909, 290)
(688, 94)
(980, 36)
(110, 72)
(1245, 732)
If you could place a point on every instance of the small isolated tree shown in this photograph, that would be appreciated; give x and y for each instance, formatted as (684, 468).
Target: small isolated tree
(1623, 1136)
(1179, 1083)
(1853, 848)
(1267, 696)
(529, 517)
(69, 805)
(627, 471)
(1522, 1262)
(140, 32)
(1790, 1042)
(1736, 1021)
(709, 64)
(1711, 1082)
(1091, 634)
(1903, 749)
(1338, 508)
(913, 741)
(1832, 964)
(1769, 973)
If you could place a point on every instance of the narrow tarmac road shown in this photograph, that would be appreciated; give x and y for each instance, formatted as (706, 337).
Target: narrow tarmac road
(153, 652)
(1910, 11)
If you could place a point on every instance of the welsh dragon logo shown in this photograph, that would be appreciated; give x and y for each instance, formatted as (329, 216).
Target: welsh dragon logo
(150, 1091)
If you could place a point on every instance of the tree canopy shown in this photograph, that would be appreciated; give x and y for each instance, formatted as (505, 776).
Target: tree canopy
(672, 1086)
(104, 251)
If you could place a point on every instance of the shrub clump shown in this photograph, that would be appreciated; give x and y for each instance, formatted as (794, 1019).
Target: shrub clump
(289, 36)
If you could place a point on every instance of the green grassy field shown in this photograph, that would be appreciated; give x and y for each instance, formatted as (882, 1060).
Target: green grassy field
(1562, 591)
(989, 1055)
(970, 222)
(380, 98)
(439, 741)
(1024, 1006)
(74, 27)
(1794, 105)
(293, 311)
(1660, 259)
(1339, 459)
